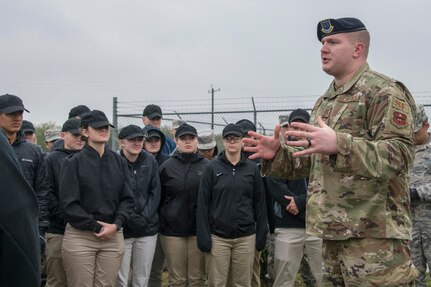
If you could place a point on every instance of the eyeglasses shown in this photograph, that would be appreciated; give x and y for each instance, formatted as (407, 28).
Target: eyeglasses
(234, 139)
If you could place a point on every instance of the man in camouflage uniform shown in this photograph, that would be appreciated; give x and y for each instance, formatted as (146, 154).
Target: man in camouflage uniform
(420, 195)
(357, 151)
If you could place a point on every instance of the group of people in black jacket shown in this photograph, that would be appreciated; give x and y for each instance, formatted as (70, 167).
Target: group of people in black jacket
(113, 218)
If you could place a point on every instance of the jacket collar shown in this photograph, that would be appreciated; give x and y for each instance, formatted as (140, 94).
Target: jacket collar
(333, 92)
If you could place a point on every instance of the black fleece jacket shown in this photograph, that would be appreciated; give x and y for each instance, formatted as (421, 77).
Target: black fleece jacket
(180, 176)
(144, 220)
(53, 162)
(19, 235)
(31, 159)
(94, 188)
(231, 202)
(278, 188)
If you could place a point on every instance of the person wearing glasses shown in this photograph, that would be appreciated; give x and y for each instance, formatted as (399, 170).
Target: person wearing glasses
(96, 196)
(180, 176)
(231, 215)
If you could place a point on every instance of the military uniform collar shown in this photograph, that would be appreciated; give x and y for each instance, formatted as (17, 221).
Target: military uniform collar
(335, 91)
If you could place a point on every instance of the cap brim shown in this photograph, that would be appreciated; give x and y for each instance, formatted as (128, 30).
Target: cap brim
(154, 115)
(135, 135)
(74, 132)
(28, 130)
(52, 139)
(100, 124)
(302, 119)
(12, 109)
(177, 135)
(154, 136)
(235, 133)
(207, 146)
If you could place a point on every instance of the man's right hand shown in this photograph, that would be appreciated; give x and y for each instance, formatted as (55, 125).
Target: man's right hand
(264, 147)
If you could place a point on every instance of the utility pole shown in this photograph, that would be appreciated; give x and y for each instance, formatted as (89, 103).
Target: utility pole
(212, 105)
(114, 133)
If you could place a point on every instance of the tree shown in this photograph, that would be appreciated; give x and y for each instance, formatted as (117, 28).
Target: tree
(40, 130)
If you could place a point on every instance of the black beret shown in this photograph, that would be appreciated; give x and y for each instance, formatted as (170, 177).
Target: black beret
(337, 26)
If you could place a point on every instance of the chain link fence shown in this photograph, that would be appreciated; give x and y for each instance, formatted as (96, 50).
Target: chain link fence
(202, 114)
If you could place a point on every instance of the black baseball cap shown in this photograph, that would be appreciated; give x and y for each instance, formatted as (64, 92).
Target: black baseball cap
(27, 127)
(78, 111)
(152, 111)
(186, 129)
(130, 132)
(246, 125)
(299, 115)
(233, 129)
(328, 27)
(95, 119)
(72, 125)
(10, 104)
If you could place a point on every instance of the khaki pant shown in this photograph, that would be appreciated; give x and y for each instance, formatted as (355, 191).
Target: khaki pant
(158, 265)
(186, 263)
(56, 276)
(368, 262)
(236, 254)
(89, 261)
(290, 244)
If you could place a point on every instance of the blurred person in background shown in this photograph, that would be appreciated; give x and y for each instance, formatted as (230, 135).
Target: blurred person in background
(70, 134)
(152, 115)
(207, 145)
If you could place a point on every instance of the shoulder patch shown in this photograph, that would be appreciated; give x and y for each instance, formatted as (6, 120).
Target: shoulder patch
(401, 105)
(399, 119)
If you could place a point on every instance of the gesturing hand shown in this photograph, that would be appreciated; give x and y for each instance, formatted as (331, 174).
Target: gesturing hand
(321, 139)
(263, 146)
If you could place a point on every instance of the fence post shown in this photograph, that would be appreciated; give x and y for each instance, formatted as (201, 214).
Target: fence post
(114, 134)
(254, 112)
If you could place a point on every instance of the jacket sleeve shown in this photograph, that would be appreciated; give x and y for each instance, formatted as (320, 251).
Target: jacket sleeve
(285, 165)
(203, 231)
(300, 194)
(154, 191)
(260, 212)
(41, 189)
(70, 197)
(54, 202)
(126, 203)
(389, 150)
(424, 191)
(278, 188)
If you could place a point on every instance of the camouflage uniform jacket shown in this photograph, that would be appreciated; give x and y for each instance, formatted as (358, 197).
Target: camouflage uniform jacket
(420, 178)
(360, 192)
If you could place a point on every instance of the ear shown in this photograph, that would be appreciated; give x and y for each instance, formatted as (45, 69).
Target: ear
(359, 50)
(84, 132)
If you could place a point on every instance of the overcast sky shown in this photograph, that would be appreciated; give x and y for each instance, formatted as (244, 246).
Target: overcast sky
(56, 54)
